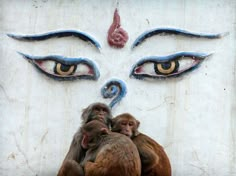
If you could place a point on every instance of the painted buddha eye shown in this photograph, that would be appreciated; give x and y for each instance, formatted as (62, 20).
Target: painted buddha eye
(167, 66)
(62, 68)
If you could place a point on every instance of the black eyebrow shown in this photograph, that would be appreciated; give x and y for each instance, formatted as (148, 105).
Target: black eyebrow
(175, 31)
(57, 34)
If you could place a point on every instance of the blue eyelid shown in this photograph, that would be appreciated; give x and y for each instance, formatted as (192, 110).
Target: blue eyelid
(171, 57)
(174, 31)
(57, 58)
(56, 34)
(67, 61)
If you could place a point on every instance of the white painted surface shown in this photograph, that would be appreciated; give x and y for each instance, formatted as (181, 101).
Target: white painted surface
(193, 117)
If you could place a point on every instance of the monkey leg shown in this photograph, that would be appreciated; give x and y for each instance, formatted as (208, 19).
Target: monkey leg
(154, 164)
(71, 168)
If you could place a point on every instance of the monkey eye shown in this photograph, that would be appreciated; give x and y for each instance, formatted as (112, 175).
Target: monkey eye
(167, 66)
(62, 68)
(97, 109)
(104, 110)
(123, 123)
(131, 124)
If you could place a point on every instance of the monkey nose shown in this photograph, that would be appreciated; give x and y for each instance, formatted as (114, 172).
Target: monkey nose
(100, 116)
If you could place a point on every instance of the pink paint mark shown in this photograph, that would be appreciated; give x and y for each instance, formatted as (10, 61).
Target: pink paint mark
(139, 70)
(117, 37)
(39, 63)
(90, 71)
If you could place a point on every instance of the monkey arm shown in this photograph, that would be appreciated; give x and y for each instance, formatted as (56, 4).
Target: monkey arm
(71, 168)
(147, 150)
(153, 157)
(75, 151)
(147, 155)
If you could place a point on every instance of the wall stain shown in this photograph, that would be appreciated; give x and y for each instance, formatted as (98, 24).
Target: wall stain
(44, 136)
(5, 93)
(167, 100)
(24, 155)
(12, 156)
(204, 172)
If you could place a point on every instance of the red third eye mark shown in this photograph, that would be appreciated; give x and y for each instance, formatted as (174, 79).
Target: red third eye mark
(117, 37)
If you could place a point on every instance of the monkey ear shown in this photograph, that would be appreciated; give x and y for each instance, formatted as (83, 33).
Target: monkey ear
(113, 121)
(136, 132)
(104, 131)
(138, 123)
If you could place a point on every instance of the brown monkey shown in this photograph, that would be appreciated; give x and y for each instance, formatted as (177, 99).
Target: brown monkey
(153, 157)
(76, 153)
(108, 153)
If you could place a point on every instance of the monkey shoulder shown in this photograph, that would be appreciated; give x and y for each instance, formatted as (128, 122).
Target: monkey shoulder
(77, 137)
(115, 143)
(116, 140)
(115, 146)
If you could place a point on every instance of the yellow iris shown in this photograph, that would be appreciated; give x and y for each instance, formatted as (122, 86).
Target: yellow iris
(164, 70)
(64, 73)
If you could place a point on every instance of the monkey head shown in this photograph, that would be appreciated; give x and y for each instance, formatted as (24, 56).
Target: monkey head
(125, 124)
(97, 111)
(92, 133)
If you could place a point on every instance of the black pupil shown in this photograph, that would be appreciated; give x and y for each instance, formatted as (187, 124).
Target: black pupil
(65, 68)
(166, 65)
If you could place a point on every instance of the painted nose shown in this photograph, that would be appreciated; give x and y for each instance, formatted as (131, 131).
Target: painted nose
(115, 89)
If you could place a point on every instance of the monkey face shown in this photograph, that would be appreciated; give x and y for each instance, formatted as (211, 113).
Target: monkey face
(127, 127)
(99, 113)
(125, 124)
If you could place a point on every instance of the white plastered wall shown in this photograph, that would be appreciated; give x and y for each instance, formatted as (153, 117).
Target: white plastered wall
(192, 117)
